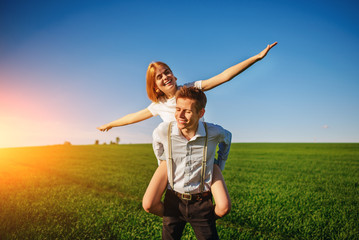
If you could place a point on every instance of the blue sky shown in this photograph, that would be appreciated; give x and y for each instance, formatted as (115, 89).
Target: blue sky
(67, 67)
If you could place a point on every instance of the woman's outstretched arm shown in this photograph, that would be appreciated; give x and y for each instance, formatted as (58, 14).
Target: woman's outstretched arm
(233, 71)
(128, 119)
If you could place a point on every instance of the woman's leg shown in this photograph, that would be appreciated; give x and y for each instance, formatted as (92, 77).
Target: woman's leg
(220, 193)
(151, 201)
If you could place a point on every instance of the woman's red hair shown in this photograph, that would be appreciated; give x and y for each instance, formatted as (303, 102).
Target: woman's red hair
(153, 92)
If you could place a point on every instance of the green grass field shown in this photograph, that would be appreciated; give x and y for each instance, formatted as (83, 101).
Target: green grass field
(278, 191)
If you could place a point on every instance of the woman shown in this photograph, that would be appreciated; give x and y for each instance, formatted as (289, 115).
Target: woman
(161, 89)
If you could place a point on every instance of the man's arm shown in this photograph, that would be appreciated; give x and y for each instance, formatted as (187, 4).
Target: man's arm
(224, 147)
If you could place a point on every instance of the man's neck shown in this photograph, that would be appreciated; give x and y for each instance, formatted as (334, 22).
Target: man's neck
(189, 133)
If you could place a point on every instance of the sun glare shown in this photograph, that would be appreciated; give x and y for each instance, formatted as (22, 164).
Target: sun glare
(20, 166)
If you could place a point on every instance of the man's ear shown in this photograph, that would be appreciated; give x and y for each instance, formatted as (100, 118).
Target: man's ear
(201, 112)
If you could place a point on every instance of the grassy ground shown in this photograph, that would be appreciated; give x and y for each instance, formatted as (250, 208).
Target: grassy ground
(278, 191)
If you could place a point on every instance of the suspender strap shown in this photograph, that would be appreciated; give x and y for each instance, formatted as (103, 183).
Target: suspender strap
(170, 159)
(204, 160)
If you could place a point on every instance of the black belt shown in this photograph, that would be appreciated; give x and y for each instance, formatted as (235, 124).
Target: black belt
(193, 197)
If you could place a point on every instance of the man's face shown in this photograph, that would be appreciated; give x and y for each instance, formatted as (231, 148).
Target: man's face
(186, 114)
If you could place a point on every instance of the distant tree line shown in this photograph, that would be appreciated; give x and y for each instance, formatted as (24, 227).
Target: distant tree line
(97, 142)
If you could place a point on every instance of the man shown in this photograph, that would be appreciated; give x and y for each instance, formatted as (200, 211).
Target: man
(188, 145)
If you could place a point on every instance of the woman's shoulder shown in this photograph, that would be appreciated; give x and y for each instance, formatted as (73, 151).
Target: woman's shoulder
(161, 101)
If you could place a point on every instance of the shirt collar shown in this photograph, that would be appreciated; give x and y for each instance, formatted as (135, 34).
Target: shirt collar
(201, 132)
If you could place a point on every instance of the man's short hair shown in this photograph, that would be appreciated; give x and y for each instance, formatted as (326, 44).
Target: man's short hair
(195, 94)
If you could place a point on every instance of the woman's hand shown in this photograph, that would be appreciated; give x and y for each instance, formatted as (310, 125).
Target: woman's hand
(104, 128)
(233, 71)
(266, 50)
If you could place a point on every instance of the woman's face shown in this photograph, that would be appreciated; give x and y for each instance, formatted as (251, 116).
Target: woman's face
(165, 81)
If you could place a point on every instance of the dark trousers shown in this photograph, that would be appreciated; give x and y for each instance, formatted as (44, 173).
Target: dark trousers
(177, 212)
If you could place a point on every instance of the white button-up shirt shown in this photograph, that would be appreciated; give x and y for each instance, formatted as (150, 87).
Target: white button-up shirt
(188, 154)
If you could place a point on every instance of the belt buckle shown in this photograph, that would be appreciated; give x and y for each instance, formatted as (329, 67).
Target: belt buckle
(186, 196)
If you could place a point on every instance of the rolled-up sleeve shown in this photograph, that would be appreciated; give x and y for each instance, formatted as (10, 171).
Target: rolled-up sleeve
(224, 147)
(196, 84)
